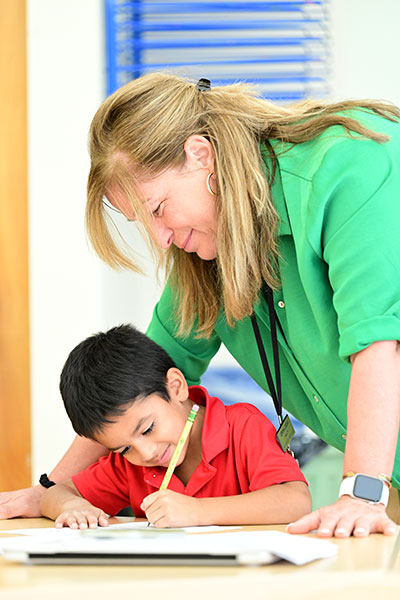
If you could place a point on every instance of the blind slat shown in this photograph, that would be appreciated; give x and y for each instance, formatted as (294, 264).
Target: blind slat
(259, 42)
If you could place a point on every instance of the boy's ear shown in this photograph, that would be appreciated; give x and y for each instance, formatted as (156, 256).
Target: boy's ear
(176, 385)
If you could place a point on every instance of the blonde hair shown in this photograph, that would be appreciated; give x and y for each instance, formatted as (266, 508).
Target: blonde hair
(141, 130)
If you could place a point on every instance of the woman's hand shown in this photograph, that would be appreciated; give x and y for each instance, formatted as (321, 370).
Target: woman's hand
(26, 502)
(347, 516)
(170, 509)
(82, 516)
(21, 503)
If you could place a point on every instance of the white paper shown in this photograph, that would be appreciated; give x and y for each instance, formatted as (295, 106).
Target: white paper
(193, 529)
(47, 532)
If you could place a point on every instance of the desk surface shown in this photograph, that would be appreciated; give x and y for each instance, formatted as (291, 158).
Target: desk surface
(364, 568)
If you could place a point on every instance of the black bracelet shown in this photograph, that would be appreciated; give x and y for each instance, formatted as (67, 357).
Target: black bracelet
(45, 481)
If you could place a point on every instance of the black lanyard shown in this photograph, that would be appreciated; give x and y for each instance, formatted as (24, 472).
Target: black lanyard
(276, 392)
(285, 431)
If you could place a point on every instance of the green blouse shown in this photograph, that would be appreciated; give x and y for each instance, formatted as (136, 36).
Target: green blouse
(338, 199)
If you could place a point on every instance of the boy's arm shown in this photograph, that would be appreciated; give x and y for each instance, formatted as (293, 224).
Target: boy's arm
(26, 502)
(275, 504)
(64, 504)
(281, 503)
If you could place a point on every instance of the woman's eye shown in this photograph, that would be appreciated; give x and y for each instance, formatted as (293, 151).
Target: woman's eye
(125, 450)
(157, 212)
(148, 430)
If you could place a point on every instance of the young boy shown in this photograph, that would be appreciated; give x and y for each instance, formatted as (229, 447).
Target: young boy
(123, 390)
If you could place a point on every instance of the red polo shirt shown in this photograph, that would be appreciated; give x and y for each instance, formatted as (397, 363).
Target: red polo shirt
(240, 454)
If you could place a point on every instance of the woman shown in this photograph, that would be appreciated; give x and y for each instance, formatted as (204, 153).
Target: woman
(236, 193)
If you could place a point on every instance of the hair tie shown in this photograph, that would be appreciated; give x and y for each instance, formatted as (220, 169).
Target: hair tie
(203, 85)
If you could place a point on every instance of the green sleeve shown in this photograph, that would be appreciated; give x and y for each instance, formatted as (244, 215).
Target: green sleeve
(191, 355)
(361, 240)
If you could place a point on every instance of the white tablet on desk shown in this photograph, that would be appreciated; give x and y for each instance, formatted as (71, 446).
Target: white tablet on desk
(124, 546)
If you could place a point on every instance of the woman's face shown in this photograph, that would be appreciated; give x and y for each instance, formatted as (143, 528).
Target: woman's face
(183, 210)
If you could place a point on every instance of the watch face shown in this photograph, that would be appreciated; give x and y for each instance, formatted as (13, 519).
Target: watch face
(368, 488)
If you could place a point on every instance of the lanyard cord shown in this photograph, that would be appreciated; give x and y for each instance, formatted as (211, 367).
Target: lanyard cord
(276, 392)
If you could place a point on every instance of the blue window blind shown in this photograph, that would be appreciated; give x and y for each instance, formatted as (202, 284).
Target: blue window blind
(280, 46)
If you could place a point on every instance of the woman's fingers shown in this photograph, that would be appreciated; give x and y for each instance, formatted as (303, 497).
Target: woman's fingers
(305, 524)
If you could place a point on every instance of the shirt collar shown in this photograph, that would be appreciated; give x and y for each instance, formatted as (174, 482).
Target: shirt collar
(215, 433)
(277, 193)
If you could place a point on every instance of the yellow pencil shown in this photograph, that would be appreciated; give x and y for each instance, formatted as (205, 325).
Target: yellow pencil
(179, 446)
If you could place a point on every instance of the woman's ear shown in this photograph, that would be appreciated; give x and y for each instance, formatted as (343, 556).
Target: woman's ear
(199, 152)
(176, 385)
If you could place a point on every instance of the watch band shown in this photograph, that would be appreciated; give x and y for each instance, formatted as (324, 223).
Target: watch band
(364, 487)
(385, 478)
(45, 481)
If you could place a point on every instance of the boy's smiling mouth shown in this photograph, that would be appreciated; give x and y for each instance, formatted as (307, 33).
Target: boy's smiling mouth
(164, 457)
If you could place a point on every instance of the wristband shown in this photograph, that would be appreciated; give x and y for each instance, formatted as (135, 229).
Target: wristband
(45, 481)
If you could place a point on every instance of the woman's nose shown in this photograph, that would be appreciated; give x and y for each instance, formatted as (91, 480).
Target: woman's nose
(163, 234)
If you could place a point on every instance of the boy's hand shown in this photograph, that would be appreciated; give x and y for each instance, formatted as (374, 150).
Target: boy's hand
(170, 509)
(82, 517)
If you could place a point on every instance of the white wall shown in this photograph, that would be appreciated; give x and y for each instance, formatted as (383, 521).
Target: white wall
(65, 85)
(72, 294)
(366, 49)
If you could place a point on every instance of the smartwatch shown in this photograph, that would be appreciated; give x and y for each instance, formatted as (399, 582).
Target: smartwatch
(364, 487)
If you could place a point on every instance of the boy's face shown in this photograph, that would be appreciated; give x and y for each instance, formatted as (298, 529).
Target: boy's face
(148, 431)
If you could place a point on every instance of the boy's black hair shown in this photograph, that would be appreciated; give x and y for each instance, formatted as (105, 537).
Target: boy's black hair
(107, 372)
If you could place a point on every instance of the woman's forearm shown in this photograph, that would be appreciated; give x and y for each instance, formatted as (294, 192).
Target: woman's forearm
(373, 409)
(82, 453)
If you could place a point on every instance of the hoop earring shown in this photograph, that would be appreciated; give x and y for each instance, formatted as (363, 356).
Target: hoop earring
(208, 184)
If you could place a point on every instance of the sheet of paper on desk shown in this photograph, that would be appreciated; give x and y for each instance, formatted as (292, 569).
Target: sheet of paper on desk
(250, 547)
(49, 532)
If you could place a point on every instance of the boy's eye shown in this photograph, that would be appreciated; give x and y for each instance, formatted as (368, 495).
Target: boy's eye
(125, 450)
(149, 429)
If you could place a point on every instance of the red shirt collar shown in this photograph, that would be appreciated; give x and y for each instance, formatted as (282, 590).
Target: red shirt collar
(215, 433)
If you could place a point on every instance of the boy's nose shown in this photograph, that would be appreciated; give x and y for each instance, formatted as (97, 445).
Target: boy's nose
(146, 451)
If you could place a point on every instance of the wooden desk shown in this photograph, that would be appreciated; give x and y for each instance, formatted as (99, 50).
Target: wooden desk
(360, 571)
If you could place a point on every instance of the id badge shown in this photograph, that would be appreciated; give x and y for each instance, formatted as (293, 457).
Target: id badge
(285, 433)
